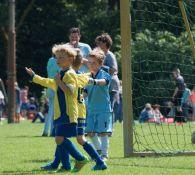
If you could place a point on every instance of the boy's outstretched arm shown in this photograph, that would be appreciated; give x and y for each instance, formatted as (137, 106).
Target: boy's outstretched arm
(99, 82)
(46, 82)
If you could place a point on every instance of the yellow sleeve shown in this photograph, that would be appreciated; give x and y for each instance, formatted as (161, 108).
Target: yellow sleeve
(70, 79)
(83, 79)
(46, 82)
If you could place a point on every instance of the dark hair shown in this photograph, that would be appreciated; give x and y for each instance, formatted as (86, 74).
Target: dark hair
(74, 30)
(104, 38)
(78, 59)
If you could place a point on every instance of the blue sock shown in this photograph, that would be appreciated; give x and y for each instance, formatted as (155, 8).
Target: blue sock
(93, 153)
(64, 156)
(73, 151)
(56, 160)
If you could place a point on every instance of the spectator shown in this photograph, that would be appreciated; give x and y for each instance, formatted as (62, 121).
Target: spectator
(157, 114)
(34, 110)
(146, 113)
(2, 104)
(177, 95)
(2, 88)
(17, 103)
(24, 100)
(185, 102)
(192, 103)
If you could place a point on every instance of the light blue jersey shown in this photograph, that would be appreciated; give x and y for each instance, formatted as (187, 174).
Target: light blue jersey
(85, 49)
(98, 96)
(52, 67)
(52, 70)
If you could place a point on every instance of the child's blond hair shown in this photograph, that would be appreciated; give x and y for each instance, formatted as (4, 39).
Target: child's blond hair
(98, 54)
(78, 60)
(63, 50)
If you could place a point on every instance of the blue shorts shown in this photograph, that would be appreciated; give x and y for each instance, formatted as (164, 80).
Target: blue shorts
(99, 122)
(66, 130)
(81, 126)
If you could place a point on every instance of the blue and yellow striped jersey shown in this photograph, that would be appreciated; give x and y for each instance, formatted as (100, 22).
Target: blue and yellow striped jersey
(83, 80)
(65, 104)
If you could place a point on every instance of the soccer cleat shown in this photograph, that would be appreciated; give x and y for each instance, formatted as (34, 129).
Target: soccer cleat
(49, 167)
(80, 164)
(100, 167)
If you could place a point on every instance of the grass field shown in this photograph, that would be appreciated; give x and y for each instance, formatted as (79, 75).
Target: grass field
(23, 151)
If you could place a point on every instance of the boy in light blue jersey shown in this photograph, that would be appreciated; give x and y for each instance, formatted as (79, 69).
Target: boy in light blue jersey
(104, 41)
(99, 112)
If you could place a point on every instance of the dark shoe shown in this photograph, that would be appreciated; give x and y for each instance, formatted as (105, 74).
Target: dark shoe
(100, 167)
(49, 167)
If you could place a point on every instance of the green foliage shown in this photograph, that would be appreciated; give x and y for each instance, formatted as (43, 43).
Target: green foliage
(3, 14)
(49, 23)
(154, 56)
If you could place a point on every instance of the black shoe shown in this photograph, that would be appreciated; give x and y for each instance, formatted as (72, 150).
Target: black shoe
(49, 167)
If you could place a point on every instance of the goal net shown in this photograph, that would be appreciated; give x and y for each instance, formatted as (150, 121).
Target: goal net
(160, 43)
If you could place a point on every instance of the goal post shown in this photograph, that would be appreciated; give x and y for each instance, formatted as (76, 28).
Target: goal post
(153, 43)
(187, 26)
(126, 76)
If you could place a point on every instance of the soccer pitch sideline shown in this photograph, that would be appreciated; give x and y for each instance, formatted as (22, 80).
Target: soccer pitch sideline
(23, 151)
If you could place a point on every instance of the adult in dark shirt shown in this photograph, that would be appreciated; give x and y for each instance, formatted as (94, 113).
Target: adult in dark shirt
(178, 93)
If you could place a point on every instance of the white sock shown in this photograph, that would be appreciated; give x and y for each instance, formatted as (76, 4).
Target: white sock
(105, 145)
(96, 142)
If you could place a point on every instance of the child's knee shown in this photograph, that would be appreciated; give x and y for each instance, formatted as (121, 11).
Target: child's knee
(59, 140)
(81, 140)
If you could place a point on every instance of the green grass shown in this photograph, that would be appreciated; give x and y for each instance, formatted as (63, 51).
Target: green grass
(23, 151)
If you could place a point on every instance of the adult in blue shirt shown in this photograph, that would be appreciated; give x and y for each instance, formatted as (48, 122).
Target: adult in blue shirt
(52, 70)
(75, 37)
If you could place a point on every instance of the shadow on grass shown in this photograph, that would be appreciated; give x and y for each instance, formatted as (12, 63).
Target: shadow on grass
(43, 161)
(25, 172)
(151, 166)
(26, 136)
(38, 161)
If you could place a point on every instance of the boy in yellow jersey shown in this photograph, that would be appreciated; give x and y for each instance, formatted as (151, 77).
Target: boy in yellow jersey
(83, 79)
(65, 108)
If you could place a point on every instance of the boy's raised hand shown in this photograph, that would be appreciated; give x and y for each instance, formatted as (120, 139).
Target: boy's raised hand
(29, 71)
